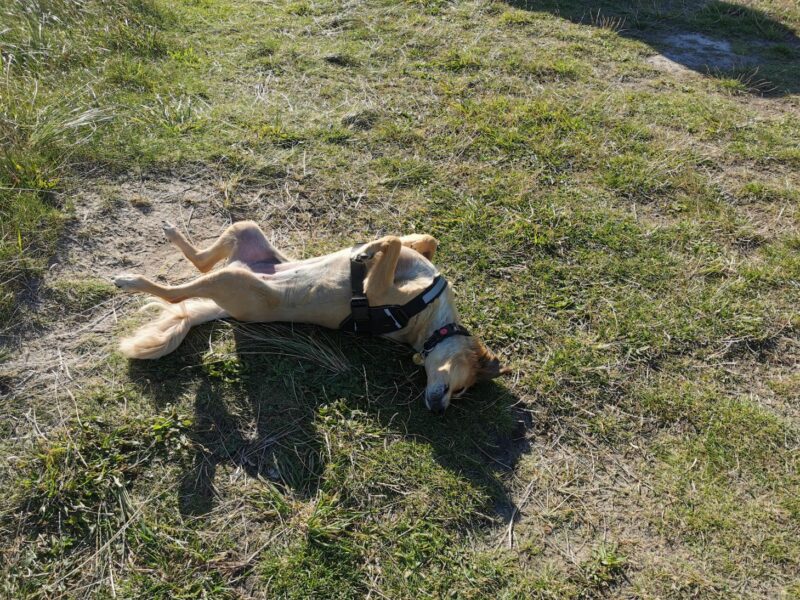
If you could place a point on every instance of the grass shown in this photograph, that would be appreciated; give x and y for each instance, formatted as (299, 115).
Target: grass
(625, 236)
(49, 112)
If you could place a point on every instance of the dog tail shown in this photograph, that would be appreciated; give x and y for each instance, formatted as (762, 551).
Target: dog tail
(165, 334)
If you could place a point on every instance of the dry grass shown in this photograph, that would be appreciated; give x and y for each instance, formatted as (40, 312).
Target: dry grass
(622, 229)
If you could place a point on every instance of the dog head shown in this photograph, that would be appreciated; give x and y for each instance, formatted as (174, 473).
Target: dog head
(455, 365)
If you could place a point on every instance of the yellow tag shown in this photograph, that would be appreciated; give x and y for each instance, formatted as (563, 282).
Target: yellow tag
(418, 359)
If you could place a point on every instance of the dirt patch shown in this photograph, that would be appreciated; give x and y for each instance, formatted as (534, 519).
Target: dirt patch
(687, 50)
(120, 229)
(116, 228)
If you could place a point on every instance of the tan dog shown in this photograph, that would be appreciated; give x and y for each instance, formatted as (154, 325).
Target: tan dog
(260, 284)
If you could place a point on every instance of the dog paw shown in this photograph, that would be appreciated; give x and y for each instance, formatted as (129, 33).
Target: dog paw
(170, 232)
(126, 282)
(425, 245)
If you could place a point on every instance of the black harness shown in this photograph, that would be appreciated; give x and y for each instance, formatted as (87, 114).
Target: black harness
(380, 320)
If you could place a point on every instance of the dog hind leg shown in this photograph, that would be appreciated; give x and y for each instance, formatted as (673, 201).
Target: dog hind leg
(238, 292)
(252, 246)
(242, 241)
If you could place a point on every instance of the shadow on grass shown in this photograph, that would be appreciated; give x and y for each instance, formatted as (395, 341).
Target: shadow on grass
(257, 408)
(720, 39)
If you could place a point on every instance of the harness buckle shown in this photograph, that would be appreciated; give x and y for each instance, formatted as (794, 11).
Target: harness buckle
(359, 308)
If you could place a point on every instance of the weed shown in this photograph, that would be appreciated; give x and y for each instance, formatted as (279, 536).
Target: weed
(603, 570)
(81, 295)
(85, 471)
(225, 367)
(458, 61)
(280, 136)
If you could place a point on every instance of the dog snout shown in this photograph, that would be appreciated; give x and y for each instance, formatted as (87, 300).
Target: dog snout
(436, 399)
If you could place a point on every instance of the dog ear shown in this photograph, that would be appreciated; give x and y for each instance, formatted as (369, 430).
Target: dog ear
(488, 365)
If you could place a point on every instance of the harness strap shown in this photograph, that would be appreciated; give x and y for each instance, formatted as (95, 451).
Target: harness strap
(378, 320)
(359, 305)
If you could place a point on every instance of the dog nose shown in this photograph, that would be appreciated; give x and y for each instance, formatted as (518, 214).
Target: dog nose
(436, 399)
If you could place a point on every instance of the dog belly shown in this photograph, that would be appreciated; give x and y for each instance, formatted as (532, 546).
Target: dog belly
(314, 291)
(262, 267)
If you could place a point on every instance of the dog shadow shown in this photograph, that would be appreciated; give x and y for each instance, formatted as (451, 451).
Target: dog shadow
(715, 38)
(258, 406)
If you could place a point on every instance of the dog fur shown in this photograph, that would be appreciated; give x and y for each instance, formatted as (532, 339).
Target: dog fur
(260, 284)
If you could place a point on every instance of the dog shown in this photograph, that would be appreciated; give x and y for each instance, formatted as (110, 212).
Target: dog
(386, 287)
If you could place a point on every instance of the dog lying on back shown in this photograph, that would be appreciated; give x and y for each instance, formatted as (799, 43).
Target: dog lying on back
(386, 287)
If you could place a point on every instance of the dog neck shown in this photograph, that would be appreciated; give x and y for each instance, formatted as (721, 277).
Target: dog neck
(441, 312)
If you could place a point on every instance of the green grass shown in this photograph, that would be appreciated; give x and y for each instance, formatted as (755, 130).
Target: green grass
(624, 236)
(82, 294)
(54, 52)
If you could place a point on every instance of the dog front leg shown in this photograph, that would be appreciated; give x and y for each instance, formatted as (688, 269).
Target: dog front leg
(422, 243)
(385, 253)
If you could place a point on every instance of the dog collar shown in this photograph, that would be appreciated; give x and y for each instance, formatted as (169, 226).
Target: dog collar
(437, 337)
